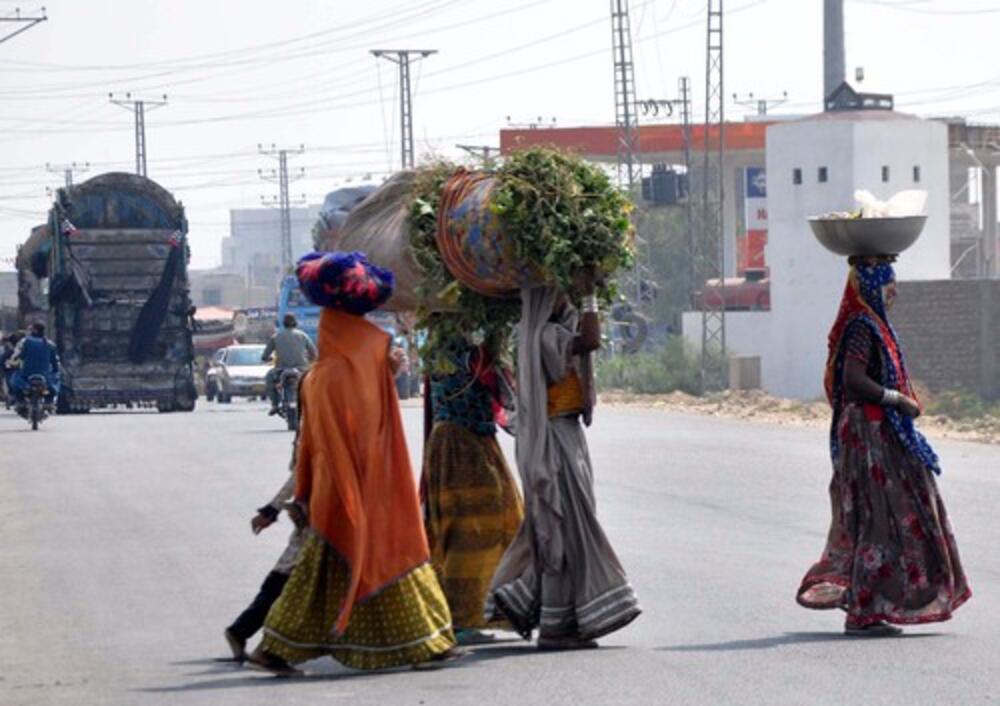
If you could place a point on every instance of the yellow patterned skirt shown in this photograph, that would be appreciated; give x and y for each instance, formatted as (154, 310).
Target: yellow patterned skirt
(405, 623)
(473, 511)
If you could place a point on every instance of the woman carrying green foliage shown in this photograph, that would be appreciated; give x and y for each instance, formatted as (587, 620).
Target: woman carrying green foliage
(561, 574)
(472, 507)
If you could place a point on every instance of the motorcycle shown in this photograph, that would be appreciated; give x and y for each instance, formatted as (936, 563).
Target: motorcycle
(288, 389)
(34, 407)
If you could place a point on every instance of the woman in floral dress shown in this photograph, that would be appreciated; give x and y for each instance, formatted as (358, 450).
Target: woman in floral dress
(890, 557)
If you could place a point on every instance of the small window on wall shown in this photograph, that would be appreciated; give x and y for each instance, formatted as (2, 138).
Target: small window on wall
(916, 174)
(885, 174)
(823, 175)
(796, 176)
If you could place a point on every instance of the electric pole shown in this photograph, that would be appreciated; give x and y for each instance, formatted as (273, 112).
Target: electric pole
(627, 124)
(284, 202)
(762, 105)
(20, 23)
(684, 87)
(484, 153)
(404, 58)
(713, 306)
(139, 108)
(629, 169)
(67, 170)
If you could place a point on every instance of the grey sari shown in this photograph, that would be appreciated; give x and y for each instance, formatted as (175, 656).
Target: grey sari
(560, 574)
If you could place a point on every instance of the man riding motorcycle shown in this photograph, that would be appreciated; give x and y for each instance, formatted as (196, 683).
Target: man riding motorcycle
(292, 349)
(35, 355)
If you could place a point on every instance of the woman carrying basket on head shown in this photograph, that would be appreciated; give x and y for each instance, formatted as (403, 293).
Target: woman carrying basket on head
(890, 557)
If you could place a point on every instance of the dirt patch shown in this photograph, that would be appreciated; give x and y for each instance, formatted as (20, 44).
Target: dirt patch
(756, 406)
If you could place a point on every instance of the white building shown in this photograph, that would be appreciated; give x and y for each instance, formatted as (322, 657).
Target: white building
(814, 166)
(253, 248)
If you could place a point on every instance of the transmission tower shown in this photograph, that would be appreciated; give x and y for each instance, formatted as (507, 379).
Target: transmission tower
(486, 154)
(627, 124)
(20, 23)
(713, 308)
(67, 170)
(762, 105)
(139, 108)
(404, 58)
(684, 88)
(284, 201)
(629, 170)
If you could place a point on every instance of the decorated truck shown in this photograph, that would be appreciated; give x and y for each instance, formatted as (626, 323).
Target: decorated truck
(114, 254)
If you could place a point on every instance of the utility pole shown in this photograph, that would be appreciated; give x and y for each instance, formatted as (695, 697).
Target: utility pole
(627, 124)
(629, 169)
(404, 58)
(484, 153)
(139, 108)
(762, 105)
(684, 87)
(67, 170)
(284, 201)
(20, 23)
(713, 308)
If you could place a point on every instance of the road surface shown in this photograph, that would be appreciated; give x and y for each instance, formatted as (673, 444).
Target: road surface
(126, 550)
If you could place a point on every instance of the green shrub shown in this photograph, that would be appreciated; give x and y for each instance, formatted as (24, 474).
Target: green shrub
(671, 368)
(961, 405)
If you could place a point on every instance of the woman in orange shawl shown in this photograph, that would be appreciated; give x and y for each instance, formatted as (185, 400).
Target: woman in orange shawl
(363, 591)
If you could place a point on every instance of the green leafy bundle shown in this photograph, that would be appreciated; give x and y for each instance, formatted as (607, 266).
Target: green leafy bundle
(561, 213)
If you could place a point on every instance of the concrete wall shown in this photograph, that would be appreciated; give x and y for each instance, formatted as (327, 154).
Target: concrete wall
(950, 333)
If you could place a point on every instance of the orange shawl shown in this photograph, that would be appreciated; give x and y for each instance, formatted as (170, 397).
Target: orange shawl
(352, 466)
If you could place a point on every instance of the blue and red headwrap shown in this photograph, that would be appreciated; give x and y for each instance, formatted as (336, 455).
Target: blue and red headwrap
(863, 304)
(344, 281)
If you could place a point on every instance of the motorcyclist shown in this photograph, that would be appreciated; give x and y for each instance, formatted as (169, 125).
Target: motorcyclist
(292, 349)
(7, 347)
(35, 355)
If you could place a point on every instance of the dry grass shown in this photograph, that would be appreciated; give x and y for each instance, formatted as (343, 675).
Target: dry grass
(761, 407)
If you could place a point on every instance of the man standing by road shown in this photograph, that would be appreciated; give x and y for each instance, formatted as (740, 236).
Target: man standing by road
(292, 349)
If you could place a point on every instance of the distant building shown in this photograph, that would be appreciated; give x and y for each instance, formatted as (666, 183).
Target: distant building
(253, 248)
(216, 288)
(8, 289)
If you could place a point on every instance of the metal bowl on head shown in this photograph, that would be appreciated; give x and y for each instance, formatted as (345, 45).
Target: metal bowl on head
(867, 236)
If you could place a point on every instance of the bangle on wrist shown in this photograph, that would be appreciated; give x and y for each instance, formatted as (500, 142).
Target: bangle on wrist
(890, 397)
(589, 304)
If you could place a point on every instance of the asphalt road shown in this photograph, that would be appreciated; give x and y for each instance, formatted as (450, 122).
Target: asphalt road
(125, 549)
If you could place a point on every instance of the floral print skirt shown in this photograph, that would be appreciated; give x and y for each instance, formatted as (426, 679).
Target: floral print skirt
(890, 554)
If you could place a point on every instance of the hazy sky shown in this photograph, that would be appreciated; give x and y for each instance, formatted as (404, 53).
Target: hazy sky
(257, 71)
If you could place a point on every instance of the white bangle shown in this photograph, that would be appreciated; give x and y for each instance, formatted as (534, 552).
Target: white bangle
(589, 304)
(891, 397)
